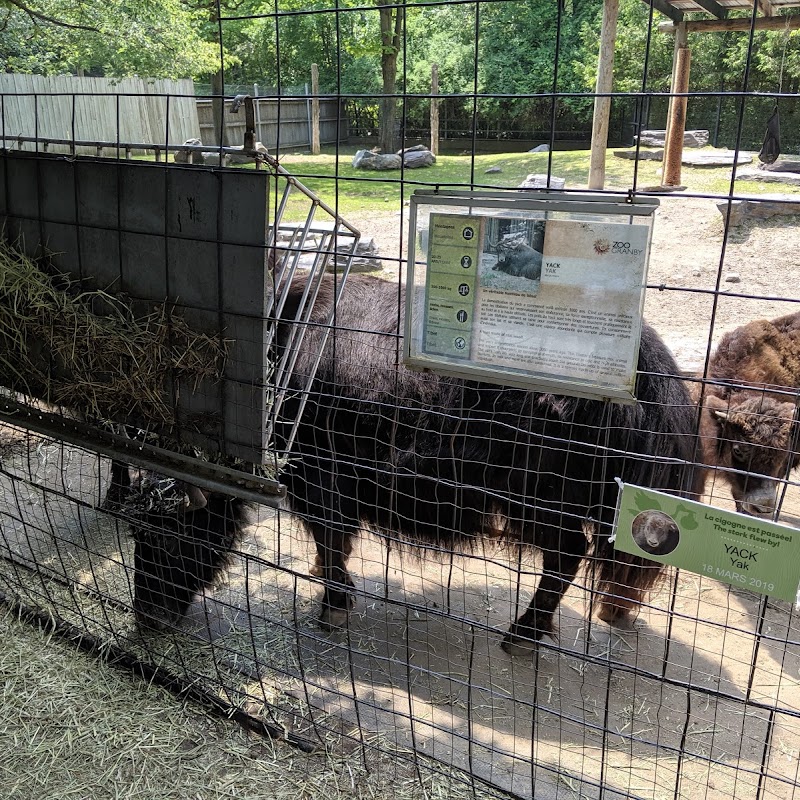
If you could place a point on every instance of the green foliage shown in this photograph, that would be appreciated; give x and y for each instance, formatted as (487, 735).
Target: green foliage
(151, 38)
(497, 61)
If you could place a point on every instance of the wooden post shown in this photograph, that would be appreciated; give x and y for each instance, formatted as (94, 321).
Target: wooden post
(673, 147)
(314, 109)
(434, 109)
(679, 43)
(602, 105)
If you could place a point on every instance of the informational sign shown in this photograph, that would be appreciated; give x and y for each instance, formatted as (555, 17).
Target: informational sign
(538, 293)
(733, 548)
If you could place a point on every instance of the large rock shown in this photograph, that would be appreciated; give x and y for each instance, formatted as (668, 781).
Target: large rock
(366, 159)
(765, 176)
(657, 138)
(414, 158)
(211, 158)
(541, 181)
(540, 148)
(716, 158)
(762, 207)
(642, 155)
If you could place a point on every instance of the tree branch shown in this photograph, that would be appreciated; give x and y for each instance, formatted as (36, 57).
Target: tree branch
(39, 16)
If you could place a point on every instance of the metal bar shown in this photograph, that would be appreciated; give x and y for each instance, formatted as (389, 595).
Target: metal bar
(205, 474)
(543, 200)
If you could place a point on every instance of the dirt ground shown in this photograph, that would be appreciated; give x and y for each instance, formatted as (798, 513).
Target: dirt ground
(700, 700)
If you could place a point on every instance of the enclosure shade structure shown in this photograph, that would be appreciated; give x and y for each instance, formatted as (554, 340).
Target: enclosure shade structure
(679, 85)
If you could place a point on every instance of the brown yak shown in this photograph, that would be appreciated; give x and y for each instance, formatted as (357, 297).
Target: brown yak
(747, 424)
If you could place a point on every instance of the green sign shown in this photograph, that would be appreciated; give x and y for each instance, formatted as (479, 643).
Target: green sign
(453, 259)
(733, 548)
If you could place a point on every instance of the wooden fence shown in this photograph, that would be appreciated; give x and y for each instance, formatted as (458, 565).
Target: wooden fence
(89, 110)
(281, 122)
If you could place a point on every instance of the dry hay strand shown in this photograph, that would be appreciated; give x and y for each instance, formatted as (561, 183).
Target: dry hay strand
(87, 351)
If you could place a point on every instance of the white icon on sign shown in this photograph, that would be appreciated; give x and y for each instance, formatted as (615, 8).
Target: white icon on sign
(461, 316)
(460, 342)
(468, 233)
(463, 289)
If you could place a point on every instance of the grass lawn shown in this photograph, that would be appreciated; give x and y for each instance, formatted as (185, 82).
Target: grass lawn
(367, 190)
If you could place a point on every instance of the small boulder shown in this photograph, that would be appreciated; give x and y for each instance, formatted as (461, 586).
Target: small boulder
(542, 181)
(244, 158)
(540, 148)
(189, 156)
(640, 155)
(492, 171)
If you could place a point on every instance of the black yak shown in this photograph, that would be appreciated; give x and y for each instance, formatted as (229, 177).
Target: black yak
(518, 258)
(748, 414)
(443, 462)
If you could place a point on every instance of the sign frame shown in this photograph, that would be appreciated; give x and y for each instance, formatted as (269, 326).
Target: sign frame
(592, 207)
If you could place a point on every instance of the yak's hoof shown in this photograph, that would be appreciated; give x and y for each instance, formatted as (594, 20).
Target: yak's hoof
(616, 617)
(333, 618)
(519, 645)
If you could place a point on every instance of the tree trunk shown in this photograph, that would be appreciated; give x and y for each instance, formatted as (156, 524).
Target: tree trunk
(218, 109)
(391, 30)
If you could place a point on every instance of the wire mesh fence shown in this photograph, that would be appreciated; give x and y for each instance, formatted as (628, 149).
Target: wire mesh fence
(438, 584)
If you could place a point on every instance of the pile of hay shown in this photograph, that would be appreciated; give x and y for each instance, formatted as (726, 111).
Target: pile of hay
(86, 350)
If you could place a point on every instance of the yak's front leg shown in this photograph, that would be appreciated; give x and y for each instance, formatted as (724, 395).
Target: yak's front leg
(333, 550)
(560, 565)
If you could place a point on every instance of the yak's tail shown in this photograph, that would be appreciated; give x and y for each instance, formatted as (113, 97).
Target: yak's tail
(621, 580)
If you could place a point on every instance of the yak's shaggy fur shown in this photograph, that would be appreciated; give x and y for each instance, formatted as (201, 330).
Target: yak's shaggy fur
(747, 422)
(443, 462)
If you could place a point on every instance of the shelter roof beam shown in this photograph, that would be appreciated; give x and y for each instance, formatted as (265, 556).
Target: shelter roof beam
(735, 24)
(714, 8)
(666, 9)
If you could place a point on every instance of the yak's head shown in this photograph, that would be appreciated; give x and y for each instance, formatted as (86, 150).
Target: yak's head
(655, 532)
(182, 538)
(752, 437)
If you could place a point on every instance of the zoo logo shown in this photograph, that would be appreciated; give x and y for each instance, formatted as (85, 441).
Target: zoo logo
(602, 246)
(624, 247)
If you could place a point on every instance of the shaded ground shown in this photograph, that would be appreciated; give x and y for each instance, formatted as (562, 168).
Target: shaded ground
(702, 693)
